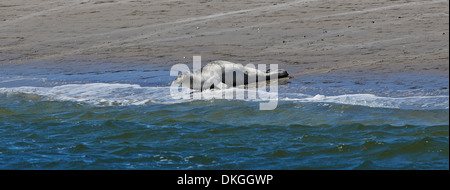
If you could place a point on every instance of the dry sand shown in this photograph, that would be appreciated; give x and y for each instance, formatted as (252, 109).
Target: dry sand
(306, 36)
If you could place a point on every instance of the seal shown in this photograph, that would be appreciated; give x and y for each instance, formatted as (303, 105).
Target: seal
(224, 74)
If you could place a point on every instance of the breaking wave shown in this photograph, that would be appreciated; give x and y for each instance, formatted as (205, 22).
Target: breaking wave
(108, 94)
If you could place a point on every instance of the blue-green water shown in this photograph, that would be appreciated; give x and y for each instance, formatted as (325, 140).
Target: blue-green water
(126, 125)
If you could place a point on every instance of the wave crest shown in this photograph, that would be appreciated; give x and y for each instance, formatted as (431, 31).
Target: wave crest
(107, 94)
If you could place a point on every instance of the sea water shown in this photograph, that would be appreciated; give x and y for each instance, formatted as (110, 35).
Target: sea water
(126, 119)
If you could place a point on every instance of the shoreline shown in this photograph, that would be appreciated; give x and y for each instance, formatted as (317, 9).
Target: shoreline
(393, 84)
(84, 84)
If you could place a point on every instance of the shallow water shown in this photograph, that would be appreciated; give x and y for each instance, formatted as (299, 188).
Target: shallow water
(115, 120)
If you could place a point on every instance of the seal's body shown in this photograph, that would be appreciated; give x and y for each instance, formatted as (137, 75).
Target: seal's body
(223, 74)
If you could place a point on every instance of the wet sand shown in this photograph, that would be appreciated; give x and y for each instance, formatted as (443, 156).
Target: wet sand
(305, 37)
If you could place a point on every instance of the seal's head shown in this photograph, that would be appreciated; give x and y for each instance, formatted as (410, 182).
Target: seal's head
(183, 78)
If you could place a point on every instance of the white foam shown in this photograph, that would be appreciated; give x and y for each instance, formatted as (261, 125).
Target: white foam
(125, 94)
(370, 100)
(98, 93)
(106, 94)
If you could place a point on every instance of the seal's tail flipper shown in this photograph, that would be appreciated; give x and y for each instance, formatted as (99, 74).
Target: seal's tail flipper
(278, 74)
(282, 73)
